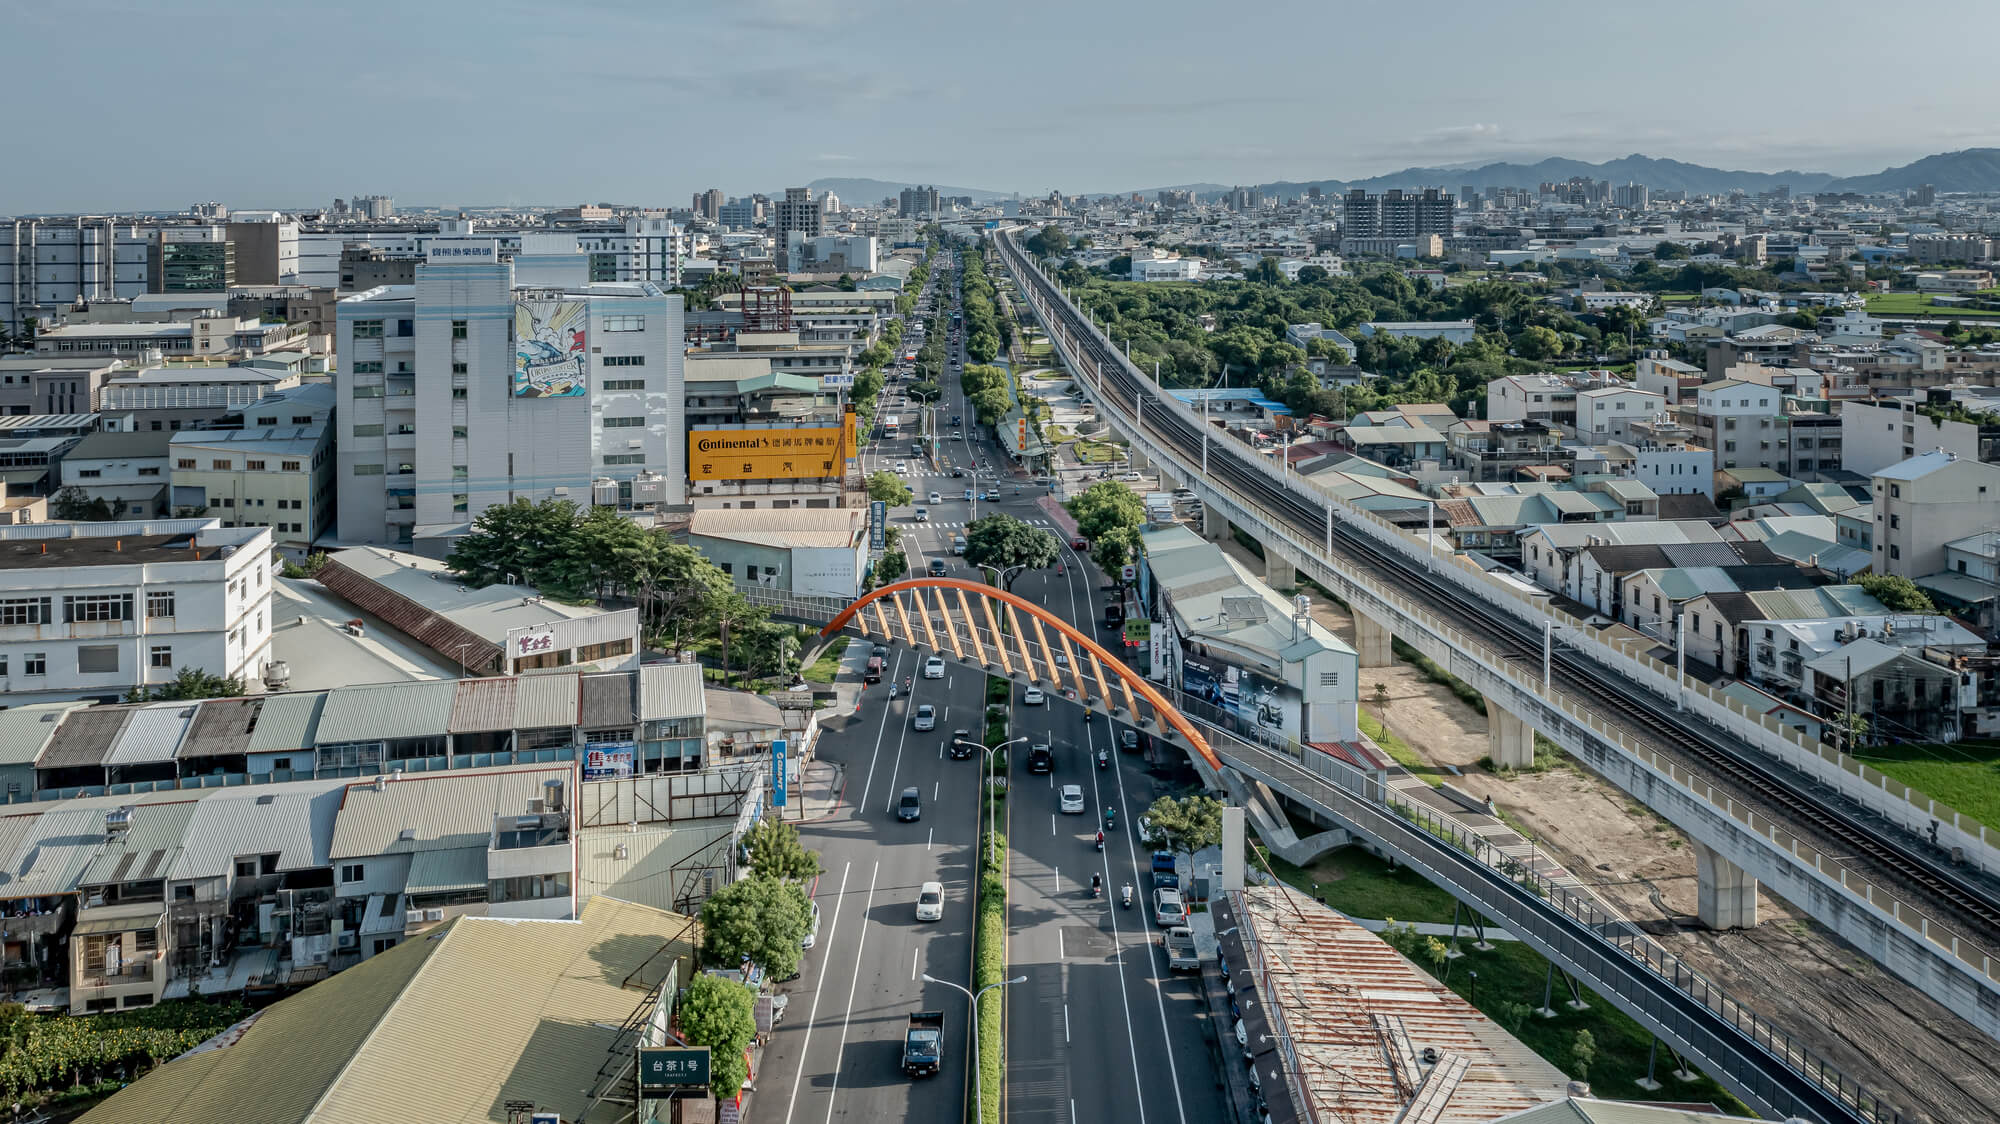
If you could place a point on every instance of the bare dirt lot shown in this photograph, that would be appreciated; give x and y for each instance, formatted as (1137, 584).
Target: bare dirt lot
(1875, 1028)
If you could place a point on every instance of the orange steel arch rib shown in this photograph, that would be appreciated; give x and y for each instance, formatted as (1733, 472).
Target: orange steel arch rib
(1128, 679)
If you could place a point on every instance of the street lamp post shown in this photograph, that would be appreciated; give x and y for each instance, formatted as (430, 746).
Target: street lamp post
(992, 848)
(978, 1090)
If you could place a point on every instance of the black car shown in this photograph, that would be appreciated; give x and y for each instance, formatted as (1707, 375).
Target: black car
(910, 808)
(937, 567)
(1041, 759)
(1131, 741)
(957, 473)
(961, 744)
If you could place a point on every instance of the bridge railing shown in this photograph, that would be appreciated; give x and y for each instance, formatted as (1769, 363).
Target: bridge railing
(1913, 811)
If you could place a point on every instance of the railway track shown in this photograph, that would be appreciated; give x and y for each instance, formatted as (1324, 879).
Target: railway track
(1748, 777)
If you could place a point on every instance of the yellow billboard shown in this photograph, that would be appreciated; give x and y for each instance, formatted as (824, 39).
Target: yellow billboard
(770, 454)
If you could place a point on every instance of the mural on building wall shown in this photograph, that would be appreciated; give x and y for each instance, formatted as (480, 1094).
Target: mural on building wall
(550, 352)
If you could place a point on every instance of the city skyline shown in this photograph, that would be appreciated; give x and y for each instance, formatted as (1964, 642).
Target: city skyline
(1079, 100)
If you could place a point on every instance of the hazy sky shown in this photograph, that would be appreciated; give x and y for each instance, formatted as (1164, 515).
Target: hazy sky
(159, 103)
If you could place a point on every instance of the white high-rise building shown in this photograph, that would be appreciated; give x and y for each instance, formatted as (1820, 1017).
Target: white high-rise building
(467, 390)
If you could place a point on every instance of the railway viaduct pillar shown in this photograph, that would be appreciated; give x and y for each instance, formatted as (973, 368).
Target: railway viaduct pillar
(1278, 573)
(1214, 524)
(1140, 461)
(1727, 895)
(1372, 641)
(1510, 741)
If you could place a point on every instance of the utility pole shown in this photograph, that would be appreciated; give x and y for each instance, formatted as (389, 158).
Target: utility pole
(1548, 650)
(1680, 660)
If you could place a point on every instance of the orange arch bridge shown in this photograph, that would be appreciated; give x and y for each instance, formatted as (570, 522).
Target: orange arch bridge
(932, 601)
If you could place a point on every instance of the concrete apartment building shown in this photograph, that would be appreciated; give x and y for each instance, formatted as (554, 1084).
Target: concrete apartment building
(468, 389)
(1396, 213)
(268, 465)
(92, 610)
(1926, 503)
(1962, 421)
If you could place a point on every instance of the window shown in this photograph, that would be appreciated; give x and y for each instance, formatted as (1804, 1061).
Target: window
(353, 872)
(1895, 551)
(25, 610)
(624, 323)
(159, 605)
(302, 419)
(1329, 679)
(624, 423)
(406, 327)
(149, 472)
(623, 384)
(458, 472)
(368, 431)
(97, 607)
(367, 329)
(88, 473)
(625, 458)
(460, 502)
(97, 659)
(458, 329)
(368, 367)
(35, 663)
(184, 462)
(459, 368)
(458, 392)
(289, 466)
(253, 466)
(161, 655)
(529, 887)
(367, 470)
(624, 360)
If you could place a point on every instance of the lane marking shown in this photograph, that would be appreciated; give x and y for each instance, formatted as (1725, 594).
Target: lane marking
(1060, 956)
(902, 739)
(848, 1017)
(818, 986)
(1066, 1032)
(1153, 965)
(913, 963)
(883, 729)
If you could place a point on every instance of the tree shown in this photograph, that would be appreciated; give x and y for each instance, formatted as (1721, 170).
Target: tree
(1583, 1052)
(1538, 342)
(892, 565)
(1899, 594)
(1114, 549)
(678, 594)
(1314, 275)
(1514, 1013)
(1186, 824)
(733, 612)
(514, 542)
(1105, 506)
(720, 1014)
(1049, 242)
(1670, 251)
(757, 919)
(889, 488)
(1265, 272)
(776, 852)
(74, 504)
(191, 683)
(1004, 542)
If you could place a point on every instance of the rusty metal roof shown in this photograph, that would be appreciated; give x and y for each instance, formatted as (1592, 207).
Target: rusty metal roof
(221, 727)
(483, 705)
(608, 700)
(433, 631)
(85, 737)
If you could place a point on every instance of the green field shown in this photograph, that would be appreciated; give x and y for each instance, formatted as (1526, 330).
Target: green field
(1964, 775)
(1919, 304)
(827, 665)
(1400, 750)
(1360, 885)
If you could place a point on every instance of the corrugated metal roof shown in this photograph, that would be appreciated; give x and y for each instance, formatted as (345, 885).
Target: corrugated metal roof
(545, 700)
(85, 737)
(220, 727)
(144, 850)
(153, 733)
(293, 820)
(288, 721)
(446, 868)
(362, 1046)
(607, 701)
(437, 809)
(421, 623)
(670, 690)
(482, 705)
(25, 730)
(52, 853)
(390, 710)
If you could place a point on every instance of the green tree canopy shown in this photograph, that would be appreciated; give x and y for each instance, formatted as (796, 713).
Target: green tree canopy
(776, 851)
(1899, 594)
(191, 683)
(1104, 506)
(1186, 824)
(888, 488)
(1538, 342)
(77, 506)
(1113, 549)
(720, 1014)
(1048, 242)
(758, 919)
(1004, 542)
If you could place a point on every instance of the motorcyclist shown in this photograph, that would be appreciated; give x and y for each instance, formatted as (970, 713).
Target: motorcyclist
(1100, 840)
(1126, 893)
(1096, 884)
(1110, 817)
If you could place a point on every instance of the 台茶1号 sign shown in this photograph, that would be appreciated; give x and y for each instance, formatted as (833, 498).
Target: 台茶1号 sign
(664, 1070)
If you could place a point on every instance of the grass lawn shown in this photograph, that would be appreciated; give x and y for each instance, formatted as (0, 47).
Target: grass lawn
(1965, 775)
(1360, 885)
(827, 665)
(1919, 304)
(1401, 751)
(1678, 298)
(1097, 452)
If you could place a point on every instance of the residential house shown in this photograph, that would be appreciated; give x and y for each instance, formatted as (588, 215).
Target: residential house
(1924, 503)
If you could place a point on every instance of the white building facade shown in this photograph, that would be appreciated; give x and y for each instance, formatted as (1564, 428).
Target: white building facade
(93, 610)
(446, 407)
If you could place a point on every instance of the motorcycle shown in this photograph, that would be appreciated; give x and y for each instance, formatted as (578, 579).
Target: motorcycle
(1096, 886)
(1059, 569)
(1110, 819)
(1103, 758)
(1127, 895)
(1100, 841)
(892, 690)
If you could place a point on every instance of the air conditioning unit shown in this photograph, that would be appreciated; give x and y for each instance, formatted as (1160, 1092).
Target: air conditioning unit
(434, 915)
(411, 917)
(350, 940)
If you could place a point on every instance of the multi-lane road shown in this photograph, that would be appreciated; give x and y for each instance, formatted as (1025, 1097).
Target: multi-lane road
(1099, 1030)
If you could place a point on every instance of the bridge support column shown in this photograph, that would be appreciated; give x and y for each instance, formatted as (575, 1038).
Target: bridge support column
(1214, 524)
(1372, 641)
(1140, 461)
(1509, 740)
(1726, 894)
(1278, 573)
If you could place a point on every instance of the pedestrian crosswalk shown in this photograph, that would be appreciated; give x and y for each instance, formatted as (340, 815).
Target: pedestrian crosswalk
(948, 526)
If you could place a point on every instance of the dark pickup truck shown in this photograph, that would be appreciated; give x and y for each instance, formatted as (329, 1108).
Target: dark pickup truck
(923, 1044)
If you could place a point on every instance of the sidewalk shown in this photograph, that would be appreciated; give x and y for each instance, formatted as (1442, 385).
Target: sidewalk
(818, 792)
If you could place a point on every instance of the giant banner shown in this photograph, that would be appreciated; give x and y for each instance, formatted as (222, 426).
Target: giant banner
(770, 454)
(551, 359)
(1248, 703)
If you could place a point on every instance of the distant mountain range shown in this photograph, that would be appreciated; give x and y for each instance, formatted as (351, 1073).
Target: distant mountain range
(1972, 169)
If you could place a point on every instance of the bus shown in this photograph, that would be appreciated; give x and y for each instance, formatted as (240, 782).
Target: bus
(891, 426)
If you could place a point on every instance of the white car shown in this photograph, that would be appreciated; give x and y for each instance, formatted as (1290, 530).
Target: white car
(812, 929)
(934, 668)
(1167, 908)
(902, 467)
(926, 718)
(930, 901)
(1033, 697)
(936, 498)
(1072, 799)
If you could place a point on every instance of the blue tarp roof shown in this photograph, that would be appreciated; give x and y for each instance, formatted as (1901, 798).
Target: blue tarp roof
(1253, 397)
